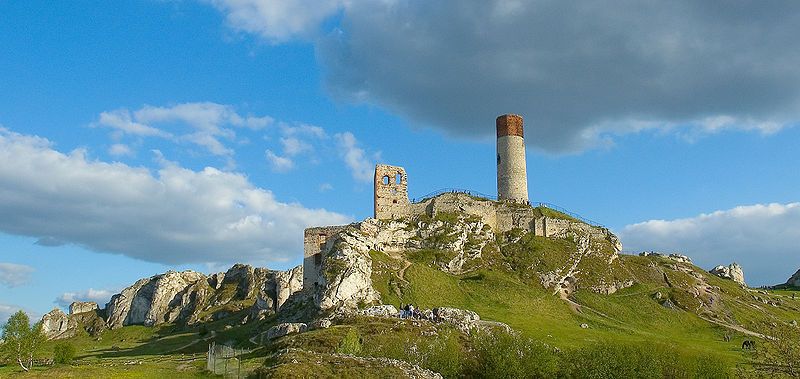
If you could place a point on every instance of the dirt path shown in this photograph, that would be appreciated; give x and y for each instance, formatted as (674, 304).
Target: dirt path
(406, 264)
(736, 328)
(194, 342)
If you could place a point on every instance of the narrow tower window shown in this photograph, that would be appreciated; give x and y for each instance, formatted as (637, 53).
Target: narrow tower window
(398, 178)
(386, 179)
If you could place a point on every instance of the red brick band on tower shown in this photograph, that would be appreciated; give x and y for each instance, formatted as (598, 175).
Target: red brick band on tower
(509, 125)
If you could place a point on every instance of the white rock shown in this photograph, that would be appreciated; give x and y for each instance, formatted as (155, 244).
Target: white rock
(82, 307)
(281, 330)
(733, 272)
(151, 301)
(383, 310)
(794, 280)
(680, 258)
(56, 325)
(463, 319)
(287, 283)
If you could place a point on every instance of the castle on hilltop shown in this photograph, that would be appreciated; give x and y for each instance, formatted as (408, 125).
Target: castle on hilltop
(511, 210)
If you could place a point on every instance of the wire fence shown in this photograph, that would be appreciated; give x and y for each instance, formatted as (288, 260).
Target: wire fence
(226, 361)
(480, 195)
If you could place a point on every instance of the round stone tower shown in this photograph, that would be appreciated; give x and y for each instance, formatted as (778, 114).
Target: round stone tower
(512, 178)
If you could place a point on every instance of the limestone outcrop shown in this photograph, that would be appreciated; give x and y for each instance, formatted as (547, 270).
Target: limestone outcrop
(57, 325)
(732, 271)
(191, 297)
(152, 301)
(346, 271)
(794, 280)
(287, 283)
(462, 319)
(281, 330)
(82, 307)
(383, 310)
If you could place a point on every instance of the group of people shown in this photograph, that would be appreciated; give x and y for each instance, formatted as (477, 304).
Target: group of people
(412, 312)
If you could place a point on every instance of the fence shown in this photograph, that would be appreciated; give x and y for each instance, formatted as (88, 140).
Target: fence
(494, 198)
(226, 361)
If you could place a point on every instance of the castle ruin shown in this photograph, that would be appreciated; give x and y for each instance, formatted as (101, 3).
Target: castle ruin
(512, 210)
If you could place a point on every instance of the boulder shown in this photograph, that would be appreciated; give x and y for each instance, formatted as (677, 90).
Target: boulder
(680, 258)
(281, 330)
(57, 325)
(794, 280)
(383, 310)
(463, 319)
(732, 271)
(82, 307)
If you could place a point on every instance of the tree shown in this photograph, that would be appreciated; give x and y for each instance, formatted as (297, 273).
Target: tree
(63, 353)
(21, 340)
(776, 356)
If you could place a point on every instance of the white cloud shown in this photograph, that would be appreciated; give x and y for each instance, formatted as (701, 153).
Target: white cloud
(209, 124)
(277, 21)
(6, 310)
(175, 215)
(763, 238)
(581, 73)
(278, 163)
(360, 165)
(325, 187)
(14, 275)
(119, 150)
(293, 146)
(122, 121)
(101, 297)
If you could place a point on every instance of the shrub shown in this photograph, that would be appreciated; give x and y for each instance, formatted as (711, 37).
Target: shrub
(63, 353)
(611, 360)
(506, 355)
(351, 343)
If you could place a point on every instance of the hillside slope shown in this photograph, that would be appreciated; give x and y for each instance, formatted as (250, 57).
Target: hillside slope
(571, 300)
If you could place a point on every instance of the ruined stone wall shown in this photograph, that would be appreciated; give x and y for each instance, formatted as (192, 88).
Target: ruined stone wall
(464, 204)
(315, 240)
(391, 192)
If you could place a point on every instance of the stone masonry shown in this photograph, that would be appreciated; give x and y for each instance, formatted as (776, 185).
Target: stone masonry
(512, 177)
(315, 241)
(391, 192)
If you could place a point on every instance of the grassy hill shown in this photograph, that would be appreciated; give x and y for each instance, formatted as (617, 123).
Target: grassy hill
(669, 319)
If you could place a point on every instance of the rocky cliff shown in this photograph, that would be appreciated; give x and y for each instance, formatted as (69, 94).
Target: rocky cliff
(186, 297)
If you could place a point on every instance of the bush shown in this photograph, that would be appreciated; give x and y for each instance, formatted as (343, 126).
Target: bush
(639, 361)
(351, 343)
(506, 355)
(63, 353)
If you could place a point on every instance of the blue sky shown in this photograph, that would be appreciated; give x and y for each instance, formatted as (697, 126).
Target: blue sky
(146, 136)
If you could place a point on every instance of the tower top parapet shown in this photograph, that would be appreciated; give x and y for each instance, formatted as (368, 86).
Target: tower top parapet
(509, 125)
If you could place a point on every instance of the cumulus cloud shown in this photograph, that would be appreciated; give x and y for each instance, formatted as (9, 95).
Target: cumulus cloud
(6, 310)
(209, 125)
(173, 215)
(762, 238)
(580, 72)
(361, 166)
(277, 21)
(119, 150)
(101, 297)
(278, 163)
(14, 275)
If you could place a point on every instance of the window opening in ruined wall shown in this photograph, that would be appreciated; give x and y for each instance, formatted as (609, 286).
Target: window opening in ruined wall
(398, 178)
(386, 179)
